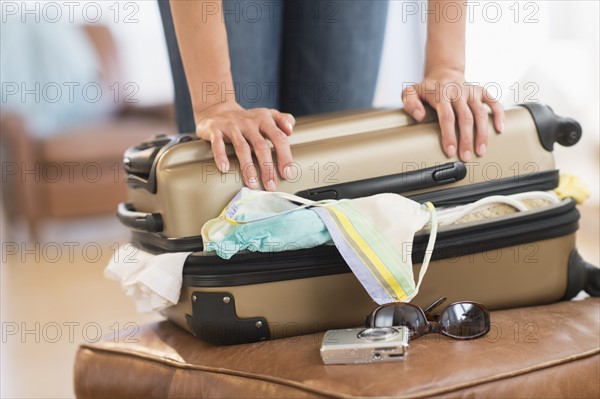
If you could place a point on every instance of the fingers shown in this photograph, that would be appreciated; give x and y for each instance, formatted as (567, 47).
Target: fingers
(275, 126)
(244, 155)
(447, 121)
(465, 125)
(497, 111)
(262, 150)
(249, 139)
(285, 122)
(448, 112)
(249, 131)
(218, 149)
(282, 147)
(412, 103)
(481, 117)
(469, 111)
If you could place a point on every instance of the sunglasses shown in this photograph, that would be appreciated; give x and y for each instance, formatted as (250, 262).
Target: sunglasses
(459, 320)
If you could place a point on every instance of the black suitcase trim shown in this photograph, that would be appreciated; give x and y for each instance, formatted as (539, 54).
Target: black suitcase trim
(157, 243)
(209, 270)
(541, 181)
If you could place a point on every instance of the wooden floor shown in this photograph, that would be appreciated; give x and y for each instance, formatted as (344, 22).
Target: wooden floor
(51, 303)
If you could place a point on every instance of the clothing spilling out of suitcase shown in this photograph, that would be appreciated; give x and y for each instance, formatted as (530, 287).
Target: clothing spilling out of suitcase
(300, 198)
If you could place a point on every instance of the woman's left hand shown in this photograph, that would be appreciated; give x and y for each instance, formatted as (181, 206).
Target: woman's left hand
(455, 100)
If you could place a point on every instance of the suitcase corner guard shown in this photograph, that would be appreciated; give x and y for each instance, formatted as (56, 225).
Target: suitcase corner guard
(214, 320)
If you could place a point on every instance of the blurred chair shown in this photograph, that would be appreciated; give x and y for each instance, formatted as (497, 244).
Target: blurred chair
(76, 172)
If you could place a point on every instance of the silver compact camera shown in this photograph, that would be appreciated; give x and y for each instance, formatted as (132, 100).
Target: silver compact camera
(365, 345)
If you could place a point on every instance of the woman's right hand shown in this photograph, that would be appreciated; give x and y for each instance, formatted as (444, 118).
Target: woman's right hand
(246, 129)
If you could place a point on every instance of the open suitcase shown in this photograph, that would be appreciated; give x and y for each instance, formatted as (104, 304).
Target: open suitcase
(503, 260)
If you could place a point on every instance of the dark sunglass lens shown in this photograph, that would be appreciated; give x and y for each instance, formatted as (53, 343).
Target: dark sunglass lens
(463, 320)
(400, 315)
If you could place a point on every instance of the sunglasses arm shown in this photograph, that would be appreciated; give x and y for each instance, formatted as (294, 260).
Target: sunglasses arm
(434, 305)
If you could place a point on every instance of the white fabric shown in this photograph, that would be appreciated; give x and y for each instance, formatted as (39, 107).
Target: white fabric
(451, 215)
(152, 281)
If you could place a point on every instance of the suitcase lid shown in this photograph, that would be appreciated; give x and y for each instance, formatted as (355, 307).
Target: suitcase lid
(140, 161)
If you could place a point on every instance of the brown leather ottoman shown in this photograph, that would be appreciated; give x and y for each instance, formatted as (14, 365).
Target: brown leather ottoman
(546, 351)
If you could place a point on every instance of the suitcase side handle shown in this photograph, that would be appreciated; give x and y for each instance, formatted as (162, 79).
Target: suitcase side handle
(399, 183)
(150, 222)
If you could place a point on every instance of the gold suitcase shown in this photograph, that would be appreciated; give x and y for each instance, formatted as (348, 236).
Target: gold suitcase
(502, 261)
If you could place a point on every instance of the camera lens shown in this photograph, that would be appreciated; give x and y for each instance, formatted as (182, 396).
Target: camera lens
(377, 334)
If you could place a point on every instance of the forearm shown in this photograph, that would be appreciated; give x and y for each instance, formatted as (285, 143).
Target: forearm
(202, 40)
(445, 48)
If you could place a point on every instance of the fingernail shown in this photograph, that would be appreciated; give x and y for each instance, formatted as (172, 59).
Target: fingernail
(252, 183)
(451, 150)
(224, 168)
(482, 150)
(501, 126)
(287, 172)
(467, 156)
(271, 186)
(419, 114)
(289, 126)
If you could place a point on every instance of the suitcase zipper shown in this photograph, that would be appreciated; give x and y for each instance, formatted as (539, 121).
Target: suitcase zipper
(512, 230)
(541, 181)
(156, 242)
(203, 270)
